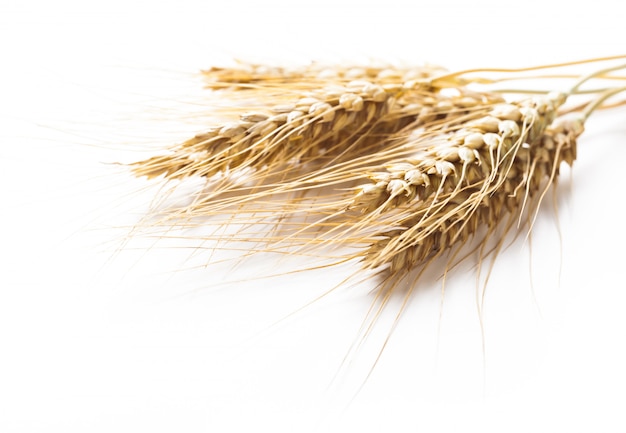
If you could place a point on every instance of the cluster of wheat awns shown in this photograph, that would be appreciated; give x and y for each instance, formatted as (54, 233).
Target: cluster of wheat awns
(398, 166)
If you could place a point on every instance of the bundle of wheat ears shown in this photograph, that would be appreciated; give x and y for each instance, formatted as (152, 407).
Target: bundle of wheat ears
(393, 168)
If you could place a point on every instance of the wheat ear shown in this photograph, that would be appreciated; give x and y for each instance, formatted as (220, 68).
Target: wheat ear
(516, 172)
(297, 131)
(264, 78)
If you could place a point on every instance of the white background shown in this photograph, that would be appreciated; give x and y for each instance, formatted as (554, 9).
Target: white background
(97, 339)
